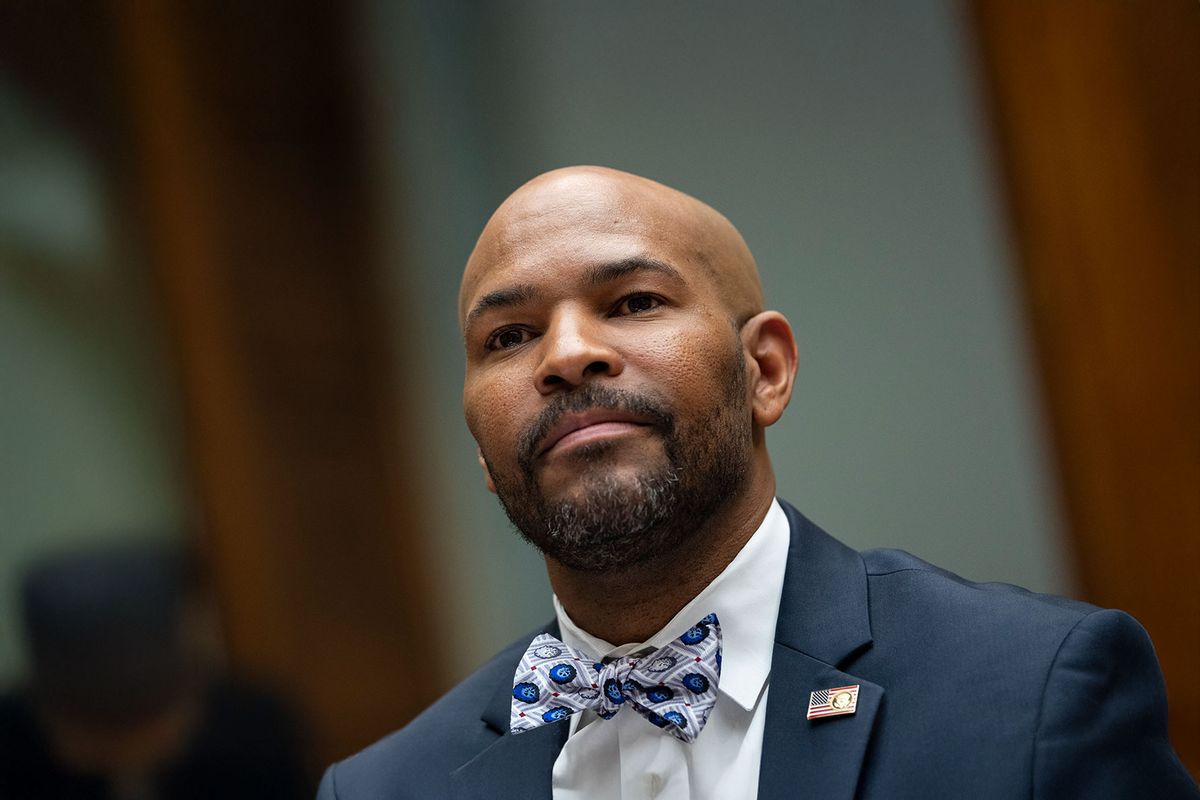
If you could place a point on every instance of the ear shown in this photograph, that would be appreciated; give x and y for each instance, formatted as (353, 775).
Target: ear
(771, 354)
(487, 474)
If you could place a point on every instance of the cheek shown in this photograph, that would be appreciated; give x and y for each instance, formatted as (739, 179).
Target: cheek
(692, 365)
(493, 415)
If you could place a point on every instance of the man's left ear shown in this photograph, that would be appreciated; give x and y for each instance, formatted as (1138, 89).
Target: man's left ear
(771, 352)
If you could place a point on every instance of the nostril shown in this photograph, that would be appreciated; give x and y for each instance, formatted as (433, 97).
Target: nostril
(597, 367)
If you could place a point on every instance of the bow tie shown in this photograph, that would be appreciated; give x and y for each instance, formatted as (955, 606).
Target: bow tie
(673, 687)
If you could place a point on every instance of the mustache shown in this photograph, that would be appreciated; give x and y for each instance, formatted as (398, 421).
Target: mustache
(588, 397)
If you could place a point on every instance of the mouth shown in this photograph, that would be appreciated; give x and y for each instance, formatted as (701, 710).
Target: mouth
(577, 428)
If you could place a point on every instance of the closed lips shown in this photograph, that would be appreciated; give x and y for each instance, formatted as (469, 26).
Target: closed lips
(579, 427)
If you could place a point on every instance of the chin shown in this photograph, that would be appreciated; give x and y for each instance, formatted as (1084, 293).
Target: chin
(609, 521)
(588, 466)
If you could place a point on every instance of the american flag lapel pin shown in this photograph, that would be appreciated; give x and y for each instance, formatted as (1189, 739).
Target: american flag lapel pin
(833, 702)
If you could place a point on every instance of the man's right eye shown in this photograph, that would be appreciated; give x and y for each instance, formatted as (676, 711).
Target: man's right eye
(507, 339)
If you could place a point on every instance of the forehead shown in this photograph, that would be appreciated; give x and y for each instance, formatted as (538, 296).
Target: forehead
(563, 231)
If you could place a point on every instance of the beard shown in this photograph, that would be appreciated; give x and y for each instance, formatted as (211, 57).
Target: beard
(612, 522)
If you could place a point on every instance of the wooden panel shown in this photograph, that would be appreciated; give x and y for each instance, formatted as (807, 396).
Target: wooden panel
(1096, 108)
(254, 190)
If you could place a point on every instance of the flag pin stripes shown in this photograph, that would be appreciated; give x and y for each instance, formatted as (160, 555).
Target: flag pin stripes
(833, 702)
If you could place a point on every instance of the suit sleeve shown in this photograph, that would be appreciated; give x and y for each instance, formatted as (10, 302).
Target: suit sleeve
(328, 788)
(1103, 726)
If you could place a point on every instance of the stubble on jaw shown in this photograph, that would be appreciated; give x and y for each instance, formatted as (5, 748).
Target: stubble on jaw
(614, 523)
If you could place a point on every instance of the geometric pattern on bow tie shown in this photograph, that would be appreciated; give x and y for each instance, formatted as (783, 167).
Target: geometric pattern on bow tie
(673, 687)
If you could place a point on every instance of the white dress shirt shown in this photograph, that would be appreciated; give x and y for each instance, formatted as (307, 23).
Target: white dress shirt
(627, 758)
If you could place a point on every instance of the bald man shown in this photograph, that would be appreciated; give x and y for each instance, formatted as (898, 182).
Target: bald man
(708, 640)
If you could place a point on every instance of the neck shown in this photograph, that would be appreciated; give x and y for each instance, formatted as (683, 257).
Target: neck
(632, 604)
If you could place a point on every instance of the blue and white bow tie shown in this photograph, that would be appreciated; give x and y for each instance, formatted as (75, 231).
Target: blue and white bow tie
(673, 687)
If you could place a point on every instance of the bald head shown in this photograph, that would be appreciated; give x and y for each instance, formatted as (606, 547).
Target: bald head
(615, 214)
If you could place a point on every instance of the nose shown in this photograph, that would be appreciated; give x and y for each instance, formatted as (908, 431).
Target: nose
(574, 350)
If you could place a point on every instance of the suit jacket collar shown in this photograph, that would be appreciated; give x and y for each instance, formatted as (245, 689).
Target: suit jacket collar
(515, 766)
(823, 612)
(824, 622)
(496, 712)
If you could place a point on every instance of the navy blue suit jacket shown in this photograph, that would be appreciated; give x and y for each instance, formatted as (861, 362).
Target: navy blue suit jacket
(968, 690)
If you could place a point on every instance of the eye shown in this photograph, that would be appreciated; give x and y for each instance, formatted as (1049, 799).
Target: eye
(507, 338)
(637, 304)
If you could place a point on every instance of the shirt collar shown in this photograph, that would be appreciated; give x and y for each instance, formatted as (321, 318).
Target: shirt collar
(745, 598)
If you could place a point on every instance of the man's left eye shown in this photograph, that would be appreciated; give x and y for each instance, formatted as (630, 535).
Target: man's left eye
(637, 303)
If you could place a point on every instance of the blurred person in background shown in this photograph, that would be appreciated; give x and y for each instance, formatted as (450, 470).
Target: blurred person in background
(121, 704)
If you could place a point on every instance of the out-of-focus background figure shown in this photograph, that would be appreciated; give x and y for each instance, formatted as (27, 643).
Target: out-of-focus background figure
(123, 702)
(230, 242)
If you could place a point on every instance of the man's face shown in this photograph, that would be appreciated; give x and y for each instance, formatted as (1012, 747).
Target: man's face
(605, 383)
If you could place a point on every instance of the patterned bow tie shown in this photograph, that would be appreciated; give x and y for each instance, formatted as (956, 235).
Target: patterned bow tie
(673, 687)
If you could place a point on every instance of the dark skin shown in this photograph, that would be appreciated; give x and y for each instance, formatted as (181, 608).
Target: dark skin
(591, 274)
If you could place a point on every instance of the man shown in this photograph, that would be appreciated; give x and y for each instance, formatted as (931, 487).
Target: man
(121, 703)
(621, 374)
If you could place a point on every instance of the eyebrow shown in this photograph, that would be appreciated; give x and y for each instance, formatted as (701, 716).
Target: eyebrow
(606, 273)
(507, 297)
(523, 294)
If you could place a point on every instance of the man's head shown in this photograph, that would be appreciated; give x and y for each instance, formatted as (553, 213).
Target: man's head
(620, 366)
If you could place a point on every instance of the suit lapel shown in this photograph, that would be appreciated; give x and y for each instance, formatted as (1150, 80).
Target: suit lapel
(824, 623)
(515, 766)
(824, 756)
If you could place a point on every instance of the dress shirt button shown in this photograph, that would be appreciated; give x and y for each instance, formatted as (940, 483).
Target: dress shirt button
(654, 784)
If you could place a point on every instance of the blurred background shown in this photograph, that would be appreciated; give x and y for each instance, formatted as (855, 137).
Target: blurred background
(230, 242)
